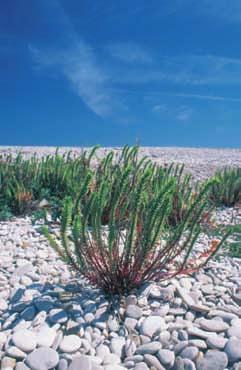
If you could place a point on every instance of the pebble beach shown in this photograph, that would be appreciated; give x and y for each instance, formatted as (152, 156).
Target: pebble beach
(51, 318)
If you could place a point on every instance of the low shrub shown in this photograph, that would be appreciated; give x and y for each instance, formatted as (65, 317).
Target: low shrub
(226, 191)
(136, 245)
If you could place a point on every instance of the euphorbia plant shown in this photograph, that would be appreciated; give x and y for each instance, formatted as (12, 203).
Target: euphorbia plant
(131, 250)
(226, 191)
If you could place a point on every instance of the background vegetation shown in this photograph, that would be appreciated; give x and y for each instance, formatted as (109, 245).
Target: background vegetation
(123, 220)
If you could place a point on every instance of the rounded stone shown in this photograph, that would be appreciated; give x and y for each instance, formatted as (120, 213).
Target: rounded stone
(15, 352)
(213, 360)
(7, 363)
(216, 342)
(102, 350)
(21, 366)
(29, 313)
(81, 363)
(63, 364)
(148, 348)
(233, 349)
(214, 325)
(112, 359)
(141, 366)
(25, 340)
(42, 358)
(130, 323)
(45, 336)
(3, 305)
(188, 364)
(190, 352)
(152, 361)
(57, 315)
(234, 331)
(117, 346)
(133, 311)
(70, 343)
(152, 325)
(166, 357)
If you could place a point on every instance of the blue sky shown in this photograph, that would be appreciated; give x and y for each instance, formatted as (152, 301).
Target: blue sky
(163, 73)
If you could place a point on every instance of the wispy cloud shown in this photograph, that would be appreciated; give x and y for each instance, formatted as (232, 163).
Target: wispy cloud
(130, 53)
(184, 114)
(207, 97)
(181, 113)
(185, 70)
(78, 66)
(100, 81)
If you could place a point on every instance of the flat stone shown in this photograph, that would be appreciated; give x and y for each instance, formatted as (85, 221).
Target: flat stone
(133, 311)
(236, 322)
(111, 358)
(130, 347)
(15, 352)
(237, 366)
(237, 298)
(153, 361)
(180, 346)
(102, 350)
(213, 359)
(199, 343)
(22, 270)
(113, 325)
(63, 364)
(29, 313)
(188, 364)
(70, 343)
(148, 348)
(190, 352)
(152, 325)
(131, 299)
(43, 304)
(164, 337)
(234, 331)
(233, 349)
(166, 357)
(117, 346)
(45, 336)
(216, 342)
(188, 300)
(3, 305)
(8, 363)
(81, 363)
(17, 295)
(21, 366)
(130, 323)
(19, 306)
(57, 315)
(25, 340)
(199, 333)
(226, 316)
(3, 338)
(141, 366)
(42, 358)
(213, 325)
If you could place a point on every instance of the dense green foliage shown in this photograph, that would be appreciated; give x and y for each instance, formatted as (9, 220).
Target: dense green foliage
(124, 220)
(134, 200)
(227, 190)
(23, 182)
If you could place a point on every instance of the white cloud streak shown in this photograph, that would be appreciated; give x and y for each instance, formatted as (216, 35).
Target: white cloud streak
(129, 53)
(185, 70)
(78, 66)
